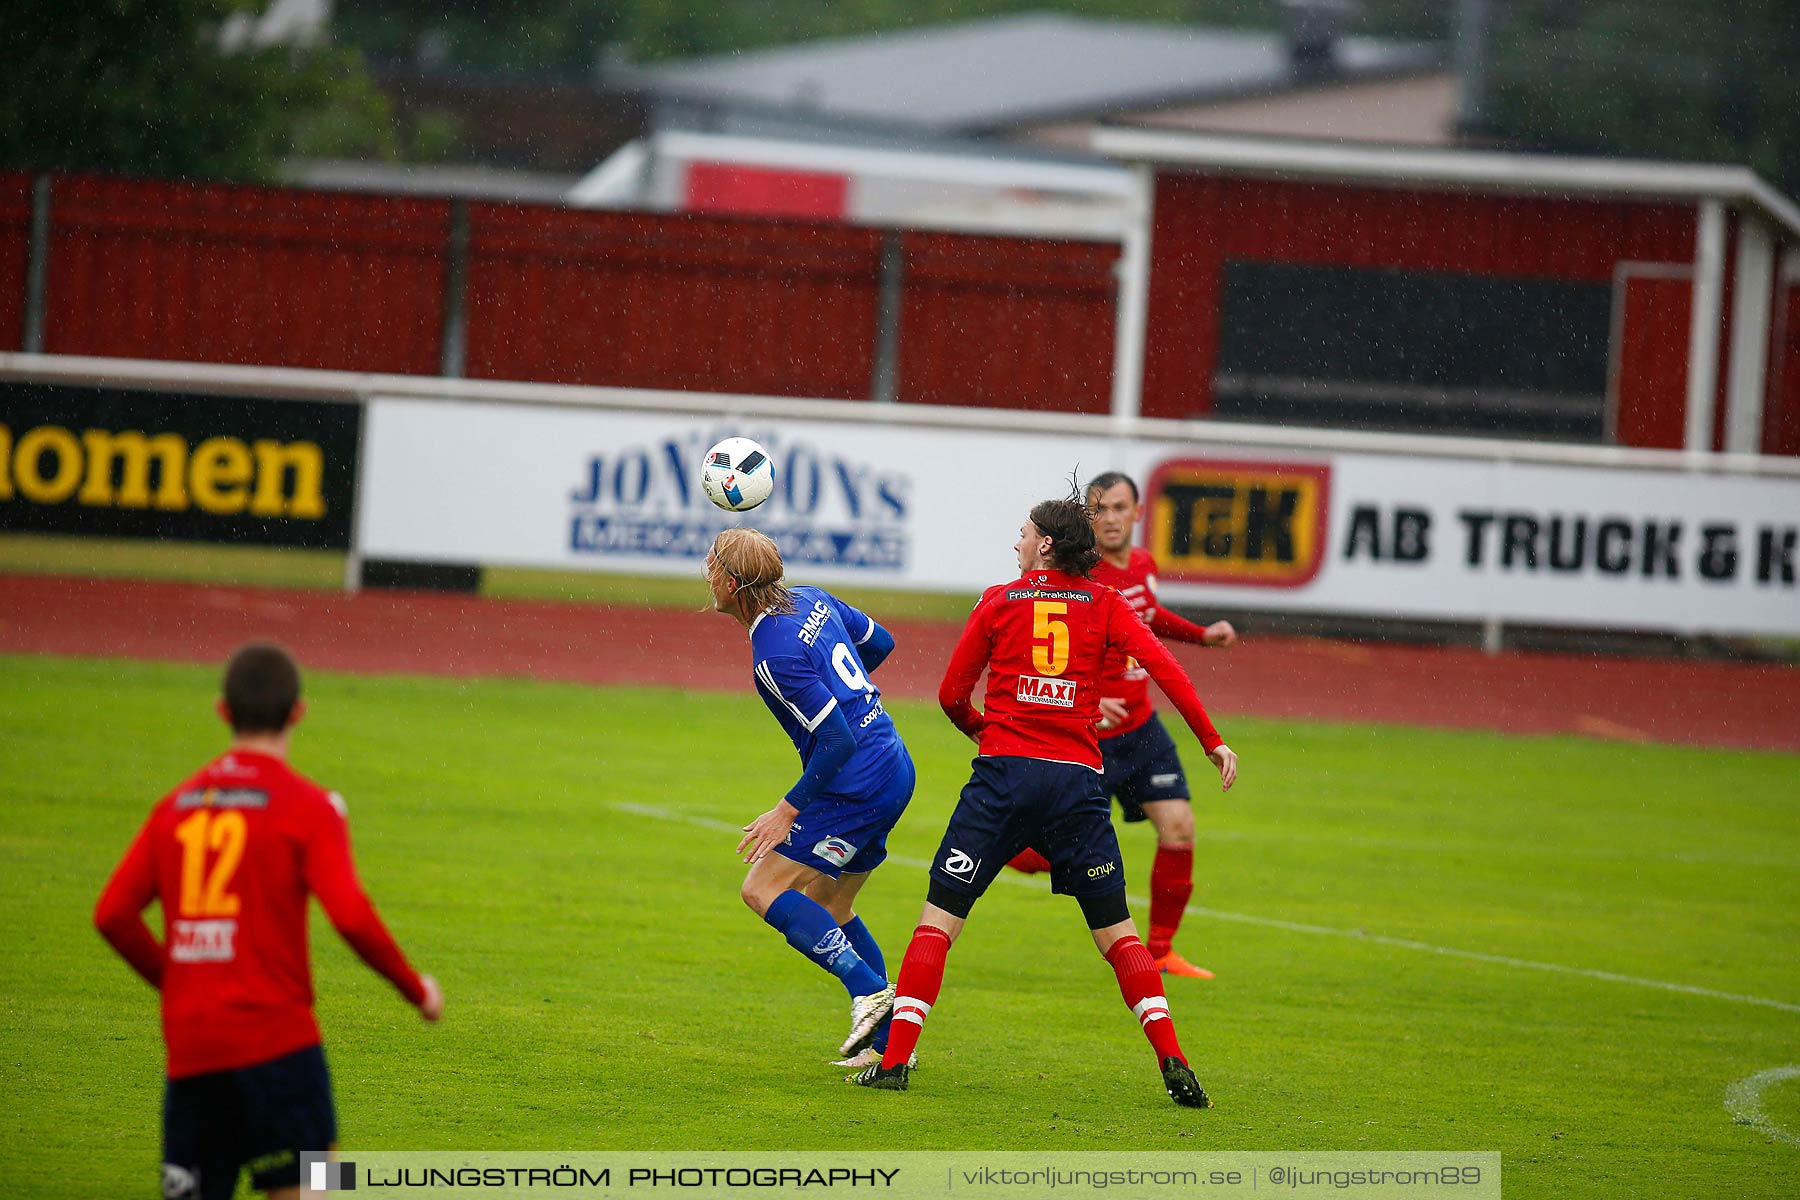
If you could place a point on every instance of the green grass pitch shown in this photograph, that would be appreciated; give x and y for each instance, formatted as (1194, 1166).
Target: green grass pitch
(561, 858)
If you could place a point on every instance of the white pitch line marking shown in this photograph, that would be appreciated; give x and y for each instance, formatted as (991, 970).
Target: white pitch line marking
(1500, 960)
(1743, 1100)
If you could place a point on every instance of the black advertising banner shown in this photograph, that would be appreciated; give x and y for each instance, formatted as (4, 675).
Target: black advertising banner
(119, 463)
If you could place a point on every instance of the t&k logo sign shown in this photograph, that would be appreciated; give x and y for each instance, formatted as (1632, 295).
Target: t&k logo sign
(1262, 524)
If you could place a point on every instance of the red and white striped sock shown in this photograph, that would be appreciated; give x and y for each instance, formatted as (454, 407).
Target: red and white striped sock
(1171, 883)
(921, 977)
(1141, 985)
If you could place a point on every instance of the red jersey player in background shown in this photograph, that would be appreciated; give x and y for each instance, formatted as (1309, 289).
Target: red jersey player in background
(1142, 767)
(232, 855)
(1044, 640)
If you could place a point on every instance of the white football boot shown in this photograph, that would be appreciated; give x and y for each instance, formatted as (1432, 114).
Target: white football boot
(871, 1057)
(866, 1013)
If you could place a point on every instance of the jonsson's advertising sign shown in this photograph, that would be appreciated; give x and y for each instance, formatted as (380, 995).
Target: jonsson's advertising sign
(620, 491)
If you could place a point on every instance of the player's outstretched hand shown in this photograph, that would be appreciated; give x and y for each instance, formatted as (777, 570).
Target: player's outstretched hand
(1225, 758)
(432, 1006)
(1112, 712)
(1220, 633)
(767, 832)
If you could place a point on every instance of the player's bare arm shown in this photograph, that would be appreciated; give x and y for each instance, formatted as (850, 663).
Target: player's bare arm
(431, 1006)
(1225, 758)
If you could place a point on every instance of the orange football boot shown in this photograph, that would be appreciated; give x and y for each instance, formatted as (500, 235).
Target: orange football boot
(1173, 964)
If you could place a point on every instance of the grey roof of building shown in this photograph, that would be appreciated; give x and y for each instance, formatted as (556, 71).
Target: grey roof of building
(1010, 71)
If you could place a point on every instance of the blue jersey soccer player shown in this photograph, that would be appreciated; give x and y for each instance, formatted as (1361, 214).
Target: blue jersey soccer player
(810, 855)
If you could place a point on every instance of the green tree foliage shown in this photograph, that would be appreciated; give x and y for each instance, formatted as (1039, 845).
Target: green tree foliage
(141, 86)
(1660, 78)
(1421, 20)
(527, 37)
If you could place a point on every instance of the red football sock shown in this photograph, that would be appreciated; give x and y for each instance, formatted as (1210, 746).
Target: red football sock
(1141, 985)
(1171, 883)
(921, 975)
(1030, 862)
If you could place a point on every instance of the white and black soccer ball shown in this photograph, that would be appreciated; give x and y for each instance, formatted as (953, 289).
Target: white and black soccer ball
(738, 474)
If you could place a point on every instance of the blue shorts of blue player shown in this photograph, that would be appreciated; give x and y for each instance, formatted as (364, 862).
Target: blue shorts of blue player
(805, 887)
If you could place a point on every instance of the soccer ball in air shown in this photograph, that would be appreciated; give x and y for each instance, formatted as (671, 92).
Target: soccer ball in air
(738, 474)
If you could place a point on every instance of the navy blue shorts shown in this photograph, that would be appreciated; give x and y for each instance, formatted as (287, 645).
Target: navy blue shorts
(1142, 768)
(838, 835)
(259, 1117)
(1011, 803)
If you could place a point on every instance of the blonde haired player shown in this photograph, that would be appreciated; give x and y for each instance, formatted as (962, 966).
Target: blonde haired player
(811, 656)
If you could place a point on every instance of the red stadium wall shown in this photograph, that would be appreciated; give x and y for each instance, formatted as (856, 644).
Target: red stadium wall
(683, 302)
(1652, 362)
(15, 247)
(997, 324)
(286, 277)
(1781, 417)
(1201, 223)
(276, 277)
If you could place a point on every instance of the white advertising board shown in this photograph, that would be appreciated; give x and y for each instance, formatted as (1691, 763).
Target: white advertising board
(1478, 540)
(939, 508)
(510, 484)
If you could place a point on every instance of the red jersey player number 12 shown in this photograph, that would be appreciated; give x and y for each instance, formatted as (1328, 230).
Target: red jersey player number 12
(233, 854)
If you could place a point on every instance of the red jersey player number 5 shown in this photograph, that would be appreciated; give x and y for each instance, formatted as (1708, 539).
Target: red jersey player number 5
(1043, 640)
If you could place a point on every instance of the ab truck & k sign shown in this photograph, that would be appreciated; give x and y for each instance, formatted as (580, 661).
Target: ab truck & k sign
(1472, 539)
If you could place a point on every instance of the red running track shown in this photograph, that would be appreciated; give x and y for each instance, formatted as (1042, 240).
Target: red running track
(1750, 705)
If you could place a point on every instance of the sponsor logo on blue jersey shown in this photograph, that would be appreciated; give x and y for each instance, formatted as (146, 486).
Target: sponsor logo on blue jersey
(815, 621)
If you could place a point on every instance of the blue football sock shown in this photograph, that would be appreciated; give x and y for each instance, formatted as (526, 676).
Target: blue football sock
(863, 942)
(810, 930)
